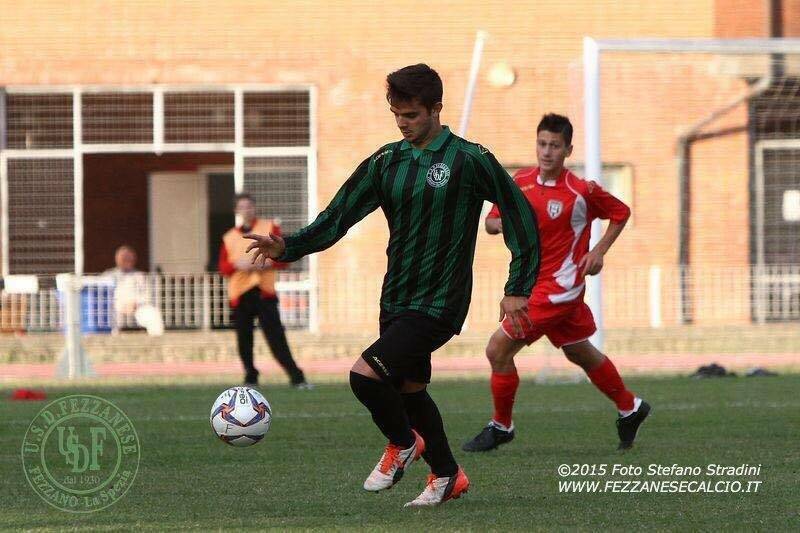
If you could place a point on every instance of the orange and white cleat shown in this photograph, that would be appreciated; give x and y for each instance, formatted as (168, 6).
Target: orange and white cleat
(393, 463)
(440, 489)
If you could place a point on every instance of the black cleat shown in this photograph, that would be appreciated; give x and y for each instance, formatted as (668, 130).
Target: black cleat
(489, 438)
(251, 378)
(628, 427)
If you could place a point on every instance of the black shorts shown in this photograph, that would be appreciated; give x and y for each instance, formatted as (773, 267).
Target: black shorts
(403, 351)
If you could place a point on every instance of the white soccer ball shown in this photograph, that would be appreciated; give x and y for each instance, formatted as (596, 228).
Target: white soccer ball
(241, 416)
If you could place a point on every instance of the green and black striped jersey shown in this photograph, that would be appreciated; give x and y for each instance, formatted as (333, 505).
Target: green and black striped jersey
(432, 200)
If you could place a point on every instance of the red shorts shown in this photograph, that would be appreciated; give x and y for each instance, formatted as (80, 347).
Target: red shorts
(562, 324)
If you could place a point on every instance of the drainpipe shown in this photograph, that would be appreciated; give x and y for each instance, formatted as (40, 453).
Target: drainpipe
(684, 150)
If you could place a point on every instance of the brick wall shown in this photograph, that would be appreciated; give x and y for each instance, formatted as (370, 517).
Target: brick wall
(346, 48)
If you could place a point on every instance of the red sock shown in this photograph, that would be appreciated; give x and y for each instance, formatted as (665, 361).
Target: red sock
(606, 378)
(504, 389)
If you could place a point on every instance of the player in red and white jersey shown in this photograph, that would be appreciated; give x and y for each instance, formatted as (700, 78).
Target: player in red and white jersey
(565, 206)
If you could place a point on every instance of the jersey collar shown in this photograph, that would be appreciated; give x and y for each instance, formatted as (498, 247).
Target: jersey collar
(434, 146)
(551, 183)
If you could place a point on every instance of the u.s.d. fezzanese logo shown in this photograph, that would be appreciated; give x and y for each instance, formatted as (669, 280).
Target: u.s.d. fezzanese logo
(80, 453)
(438, 175)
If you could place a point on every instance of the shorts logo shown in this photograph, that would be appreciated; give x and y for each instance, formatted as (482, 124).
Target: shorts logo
(554, 208)
(438, 175)
(381, 365)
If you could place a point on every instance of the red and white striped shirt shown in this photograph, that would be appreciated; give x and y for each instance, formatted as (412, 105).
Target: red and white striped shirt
(565, 208)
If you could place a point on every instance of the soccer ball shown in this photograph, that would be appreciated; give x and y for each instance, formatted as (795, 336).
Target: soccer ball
(241, 416)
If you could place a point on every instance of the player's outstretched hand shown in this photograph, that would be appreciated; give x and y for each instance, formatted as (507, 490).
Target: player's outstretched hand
(591, 263)
(266, 246)
(515, 308)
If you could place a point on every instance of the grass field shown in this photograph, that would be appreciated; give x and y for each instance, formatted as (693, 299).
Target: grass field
(307, 473)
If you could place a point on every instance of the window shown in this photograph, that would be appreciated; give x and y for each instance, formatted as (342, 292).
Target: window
(191, 117)
(36, 121)
(617, 179)
(115, 118)
(41, 216)
(279, 186)
(276, 118)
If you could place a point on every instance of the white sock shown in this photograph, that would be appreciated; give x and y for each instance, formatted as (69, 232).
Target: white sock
(500, 426)
(636, 403)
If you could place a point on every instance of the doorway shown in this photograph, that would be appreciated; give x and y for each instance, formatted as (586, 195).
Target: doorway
(189, 214)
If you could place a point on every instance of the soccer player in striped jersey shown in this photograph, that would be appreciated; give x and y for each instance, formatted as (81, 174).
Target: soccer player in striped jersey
(431, 186)
(565, 206)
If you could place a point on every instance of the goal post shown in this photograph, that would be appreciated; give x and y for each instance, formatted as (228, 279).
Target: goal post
(697, 115)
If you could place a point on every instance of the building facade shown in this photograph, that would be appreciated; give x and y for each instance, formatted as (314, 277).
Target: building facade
(312, 73)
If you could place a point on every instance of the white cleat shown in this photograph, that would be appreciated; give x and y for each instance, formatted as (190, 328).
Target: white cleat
(391, 467)
(440, 489)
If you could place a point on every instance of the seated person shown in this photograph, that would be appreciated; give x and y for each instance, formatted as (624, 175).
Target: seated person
(131, 295)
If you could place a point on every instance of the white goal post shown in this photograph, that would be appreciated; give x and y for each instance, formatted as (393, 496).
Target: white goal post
(593, 50)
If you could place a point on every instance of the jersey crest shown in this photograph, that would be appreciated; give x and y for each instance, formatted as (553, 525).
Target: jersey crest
(438, 175)
(554, 208)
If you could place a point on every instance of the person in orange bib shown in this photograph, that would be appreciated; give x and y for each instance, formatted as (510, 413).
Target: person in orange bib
(251, 290)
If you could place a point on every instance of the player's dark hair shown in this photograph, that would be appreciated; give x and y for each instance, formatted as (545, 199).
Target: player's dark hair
(242, 196)
(415, 82)
(556, 124)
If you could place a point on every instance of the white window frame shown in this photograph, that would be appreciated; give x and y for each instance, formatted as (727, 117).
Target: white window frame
(158, 146)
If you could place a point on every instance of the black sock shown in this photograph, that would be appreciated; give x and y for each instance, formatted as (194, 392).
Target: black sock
(386, 407)
(425, 418)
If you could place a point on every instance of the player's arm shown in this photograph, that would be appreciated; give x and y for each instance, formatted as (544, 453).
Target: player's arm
(248, 264)
(278, 265)
(606, 207)
(493, 222)
(520, 234)
(356, 199)
(520, 231)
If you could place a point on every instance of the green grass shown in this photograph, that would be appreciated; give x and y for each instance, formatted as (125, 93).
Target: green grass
(307, 473)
